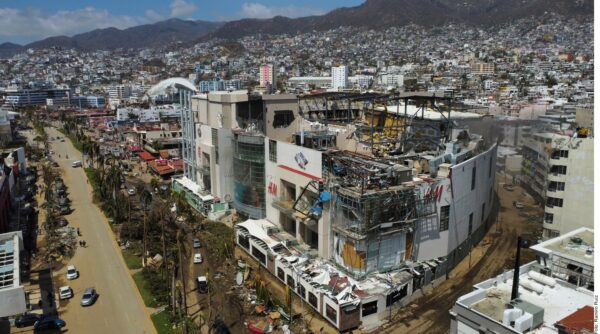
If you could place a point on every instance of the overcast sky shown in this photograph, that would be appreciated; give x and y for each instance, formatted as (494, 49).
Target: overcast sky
(24, 21)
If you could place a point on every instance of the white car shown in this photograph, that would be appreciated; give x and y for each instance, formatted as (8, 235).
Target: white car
(65, 292)
(72, 273)
(131, 191)
(197, 258)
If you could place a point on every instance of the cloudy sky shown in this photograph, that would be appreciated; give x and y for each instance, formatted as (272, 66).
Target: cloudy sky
(24, 21)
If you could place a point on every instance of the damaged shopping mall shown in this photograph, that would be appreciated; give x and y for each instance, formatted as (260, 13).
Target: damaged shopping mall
(357, 202)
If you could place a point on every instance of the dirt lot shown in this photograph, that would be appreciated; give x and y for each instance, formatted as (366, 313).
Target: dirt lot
(494, 253)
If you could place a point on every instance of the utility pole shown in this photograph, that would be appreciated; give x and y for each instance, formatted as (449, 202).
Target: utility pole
(515, 288)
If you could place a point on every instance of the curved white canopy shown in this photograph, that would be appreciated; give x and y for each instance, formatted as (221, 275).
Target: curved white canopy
(179, 83)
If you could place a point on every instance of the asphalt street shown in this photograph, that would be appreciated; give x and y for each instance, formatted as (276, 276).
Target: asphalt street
(119, 308)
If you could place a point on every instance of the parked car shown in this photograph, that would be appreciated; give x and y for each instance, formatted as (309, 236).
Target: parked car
(65, 292)
(62, 222)
(196, 243)
(49, 323)
(519, 205)
(131, 191)
(202, 284)
(89, 297)
(72, 272)
(65, 210)
(197, 258)
(26, 320)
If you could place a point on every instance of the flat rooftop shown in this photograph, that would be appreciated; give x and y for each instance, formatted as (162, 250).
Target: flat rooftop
(491, 298)
(577, 245)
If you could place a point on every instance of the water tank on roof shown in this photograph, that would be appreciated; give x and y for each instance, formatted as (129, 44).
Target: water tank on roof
(543, 279)
(533, 286)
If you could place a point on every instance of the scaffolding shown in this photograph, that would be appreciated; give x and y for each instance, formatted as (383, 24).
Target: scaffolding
(387, 133)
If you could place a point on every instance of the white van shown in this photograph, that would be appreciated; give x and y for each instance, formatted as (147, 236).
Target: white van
(76, 164)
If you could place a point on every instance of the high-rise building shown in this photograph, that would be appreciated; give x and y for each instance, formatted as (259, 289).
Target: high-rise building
(558, 170)
(119, 92)
(267, 75)
(339, 77)
(36, 97)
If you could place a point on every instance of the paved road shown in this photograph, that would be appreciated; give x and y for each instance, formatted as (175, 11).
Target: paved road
(119, 308)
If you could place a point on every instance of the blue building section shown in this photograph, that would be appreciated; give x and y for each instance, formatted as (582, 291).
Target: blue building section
(89, 101)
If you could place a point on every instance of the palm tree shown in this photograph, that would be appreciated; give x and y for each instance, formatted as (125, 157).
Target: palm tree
(182, 251)
(145, 200)
(113, 178)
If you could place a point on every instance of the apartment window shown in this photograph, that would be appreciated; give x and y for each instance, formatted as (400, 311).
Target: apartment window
(553, 201)
(312, 299)
(369, 308)
(302, 291)
(395, 296)
(280, 274)
(557, 154)
(470, 223)
(283, 118)
(548, 218)
(556, 186)
(444, 217)
(244, 241)
(260, 256)
(558, 169)
(473, 177)
(552, 233)
(331, 313)
(272, 150)
(290, 281)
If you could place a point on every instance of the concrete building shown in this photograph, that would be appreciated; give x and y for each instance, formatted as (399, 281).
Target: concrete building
(584, 116)
(307, 83)
(4, 204)
(391, 80)
(339, 77)
(542, 304)
(483, 68)
(12, 293)
(267, 76)
(89, 101)
(6, 135)
(569, 257)
(119, 92)
(16, 97)
(570, 190)
(152, 114)
(360, 81)
(552, 291)
(313, 205)
(217, 84)
(558, 170)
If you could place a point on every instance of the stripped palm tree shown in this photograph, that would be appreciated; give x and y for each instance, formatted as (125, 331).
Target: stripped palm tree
(145, 200)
